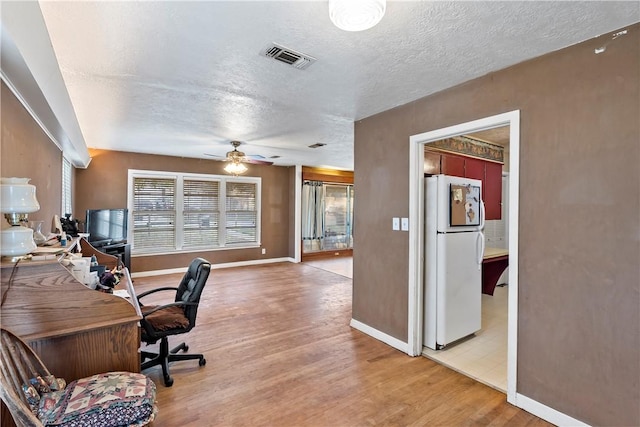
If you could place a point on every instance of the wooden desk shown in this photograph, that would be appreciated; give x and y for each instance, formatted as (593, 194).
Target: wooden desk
(494, 263)
(76, 331)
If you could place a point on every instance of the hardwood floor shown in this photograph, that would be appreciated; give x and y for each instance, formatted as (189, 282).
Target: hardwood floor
(280, 352)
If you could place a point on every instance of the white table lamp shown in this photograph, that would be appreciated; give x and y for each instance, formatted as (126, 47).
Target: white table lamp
(17, 200)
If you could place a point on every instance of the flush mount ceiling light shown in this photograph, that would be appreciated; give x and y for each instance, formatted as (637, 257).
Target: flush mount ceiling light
(356, 15)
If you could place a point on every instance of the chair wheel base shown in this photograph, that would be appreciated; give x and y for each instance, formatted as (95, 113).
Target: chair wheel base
(168, 381)
(166, 356)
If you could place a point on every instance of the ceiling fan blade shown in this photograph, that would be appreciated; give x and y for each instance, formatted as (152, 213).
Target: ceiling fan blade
(258, 162)
(214, 155)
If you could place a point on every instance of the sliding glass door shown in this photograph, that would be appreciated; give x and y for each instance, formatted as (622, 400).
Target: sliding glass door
(327, 214)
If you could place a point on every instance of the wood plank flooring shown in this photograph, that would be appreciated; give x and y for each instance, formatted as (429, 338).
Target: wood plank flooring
(280, 352)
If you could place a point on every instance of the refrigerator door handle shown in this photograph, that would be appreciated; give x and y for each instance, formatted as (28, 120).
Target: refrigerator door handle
(482, 215)
(480, 250)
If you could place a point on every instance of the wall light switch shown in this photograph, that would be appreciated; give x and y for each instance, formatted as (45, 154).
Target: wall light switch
(405, 224)
(396, 224)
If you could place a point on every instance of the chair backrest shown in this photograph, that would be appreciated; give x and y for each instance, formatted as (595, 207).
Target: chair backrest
(18, 364)
(191, 286)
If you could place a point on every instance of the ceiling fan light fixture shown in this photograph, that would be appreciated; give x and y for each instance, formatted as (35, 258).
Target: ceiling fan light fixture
(235, 167)
(356, 15)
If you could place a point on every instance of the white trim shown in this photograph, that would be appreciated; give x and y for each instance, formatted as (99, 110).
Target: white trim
(32, 65)
(180, 178)
(416, 238)
(214, 266)
(27, 107)
(514, 264)
(545, 412)
(202, 249)
(416, 245)
(298, 214)
(380, 336)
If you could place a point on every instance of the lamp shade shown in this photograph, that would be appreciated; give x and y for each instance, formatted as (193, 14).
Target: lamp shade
(18, 196)
(16, 241)
(356, 15)
(235, 168)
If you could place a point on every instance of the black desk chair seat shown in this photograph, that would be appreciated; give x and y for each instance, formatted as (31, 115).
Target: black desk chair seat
(178, 317)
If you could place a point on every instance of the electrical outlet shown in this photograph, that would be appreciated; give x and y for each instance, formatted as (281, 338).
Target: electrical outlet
(264, 251)
(405, 224)
(396, 224)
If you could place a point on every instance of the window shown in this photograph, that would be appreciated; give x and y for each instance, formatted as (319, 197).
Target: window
(67, 173)
(179, 211)
(327, 216)
(241, 212)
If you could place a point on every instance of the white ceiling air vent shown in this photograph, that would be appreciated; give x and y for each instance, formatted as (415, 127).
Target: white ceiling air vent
(288, 56)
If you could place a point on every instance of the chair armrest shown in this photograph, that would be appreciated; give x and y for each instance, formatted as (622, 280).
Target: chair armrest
(173, 304)
(165, 288)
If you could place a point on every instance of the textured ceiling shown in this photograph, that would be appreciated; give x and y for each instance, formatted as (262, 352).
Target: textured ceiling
(185, 78)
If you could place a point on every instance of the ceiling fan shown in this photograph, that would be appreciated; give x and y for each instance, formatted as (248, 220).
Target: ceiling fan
(237, 160)
(236, 156)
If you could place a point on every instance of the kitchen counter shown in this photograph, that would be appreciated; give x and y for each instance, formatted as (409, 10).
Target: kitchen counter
(494, 262)
(495, 252)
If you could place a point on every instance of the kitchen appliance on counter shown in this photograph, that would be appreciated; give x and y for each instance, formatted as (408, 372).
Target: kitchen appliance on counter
(454, 247)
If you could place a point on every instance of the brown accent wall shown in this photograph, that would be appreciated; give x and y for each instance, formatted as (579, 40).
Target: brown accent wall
(579, 291)
(104, 185)
(27, 152)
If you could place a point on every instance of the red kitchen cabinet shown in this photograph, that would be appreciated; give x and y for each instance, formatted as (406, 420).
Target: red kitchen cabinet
(474, 168)
(431, 163)
(490, 173)
(452, 165)
(492, 187)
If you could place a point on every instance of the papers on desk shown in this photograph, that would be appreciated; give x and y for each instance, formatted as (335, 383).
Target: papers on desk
(122, 293)
(48, 250)
(46, 253)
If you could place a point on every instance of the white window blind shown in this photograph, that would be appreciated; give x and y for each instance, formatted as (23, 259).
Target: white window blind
(201, 214)
(181, 211)
(67, 172)
(154, 213)
(241, 212)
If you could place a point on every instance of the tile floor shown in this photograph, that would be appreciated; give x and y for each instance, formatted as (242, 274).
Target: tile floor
(483, 356)
(342, 265)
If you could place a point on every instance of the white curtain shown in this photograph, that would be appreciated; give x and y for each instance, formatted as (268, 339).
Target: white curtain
(312, 211)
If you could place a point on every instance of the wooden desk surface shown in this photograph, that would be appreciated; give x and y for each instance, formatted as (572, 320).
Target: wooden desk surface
(46, 301)
(76, 331)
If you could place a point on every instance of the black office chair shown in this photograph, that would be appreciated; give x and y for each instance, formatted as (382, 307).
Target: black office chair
(179, 317)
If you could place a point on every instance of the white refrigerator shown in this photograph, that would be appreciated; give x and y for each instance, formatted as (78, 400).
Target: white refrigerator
(454, 248)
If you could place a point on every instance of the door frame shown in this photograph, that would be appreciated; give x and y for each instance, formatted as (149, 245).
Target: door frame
(416, 231)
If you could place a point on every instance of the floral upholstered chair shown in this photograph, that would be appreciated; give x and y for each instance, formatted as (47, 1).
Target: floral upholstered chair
(36, 398)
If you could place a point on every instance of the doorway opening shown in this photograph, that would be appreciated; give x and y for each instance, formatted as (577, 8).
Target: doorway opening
(416, 232)
(480, 156)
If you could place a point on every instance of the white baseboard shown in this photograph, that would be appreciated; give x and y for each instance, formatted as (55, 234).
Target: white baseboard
(381, 336)
(214, 266)
(546, 413)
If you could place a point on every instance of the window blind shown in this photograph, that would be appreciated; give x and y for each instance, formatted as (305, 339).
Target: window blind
(241, 213)
(154, 213)
(67, 172)
(182, 211)
(201, 215)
